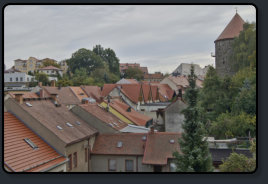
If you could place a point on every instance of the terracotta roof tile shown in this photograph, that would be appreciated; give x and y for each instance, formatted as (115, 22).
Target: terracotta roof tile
(19, 156)
(79, 93)
(233, 29)
(146, 88)
(183, 81)
(132, 144)
(132, 91)
(65, 95)
(50, 68)
(51, 116)
(104, 116)
(25, 94)
(93, 92)
(107, 88)
(134, 116)
(158, 147)
(154, 76)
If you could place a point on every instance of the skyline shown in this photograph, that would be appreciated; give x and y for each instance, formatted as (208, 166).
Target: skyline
(149, 35)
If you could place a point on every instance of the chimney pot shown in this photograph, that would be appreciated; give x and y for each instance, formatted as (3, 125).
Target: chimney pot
(151, 129)
(53, 83)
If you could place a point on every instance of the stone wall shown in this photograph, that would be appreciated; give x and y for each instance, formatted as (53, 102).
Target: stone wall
(223, 51)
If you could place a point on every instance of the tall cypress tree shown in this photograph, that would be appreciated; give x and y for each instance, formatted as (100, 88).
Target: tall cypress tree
(195, 156)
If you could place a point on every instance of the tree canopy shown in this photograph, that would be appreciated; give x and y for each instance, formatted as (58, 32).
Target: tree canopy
(134, 73)
(50, 62)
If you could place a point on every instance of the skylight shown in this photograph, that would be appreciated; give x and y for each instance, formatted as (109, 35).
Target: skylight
(28, 104)
(78, 123)
(27, 140)
(144, 138)
(119, 144)
(69, 124)
(59, 127)
(171, 141)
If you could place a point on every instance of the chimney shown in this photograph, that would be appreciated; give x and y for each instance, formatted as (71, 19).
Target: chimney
(54, 97)
(19, 98)
(84, 101)
(42, 93)
(152, 130)
(53, 83)
(107, 108)
(40, 84)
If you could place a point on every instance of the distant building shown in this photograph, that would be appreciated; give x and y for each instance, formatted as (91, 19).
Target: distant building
(223, 45)
(26, 151)
(63, 65)
(185, 69)
(127, 81)
(124, 66)
(154, 77)
(51, 71)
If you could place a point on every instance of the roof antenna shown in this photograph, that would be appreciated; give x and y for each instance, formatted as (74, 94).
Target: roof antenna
(235, 9)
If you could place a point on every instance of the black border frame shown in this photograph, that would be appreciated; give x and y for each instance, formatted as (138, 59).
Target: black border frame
(146, 3)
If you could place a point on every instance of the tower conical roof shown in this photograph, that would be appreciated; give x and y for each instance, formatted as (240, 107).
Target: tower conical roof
(232, 29)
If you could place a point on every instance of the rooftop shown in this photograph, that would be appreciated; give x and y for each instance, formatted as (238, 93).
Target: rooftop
(19, 156)
(56, 120)
(233, 29)
(50, 68)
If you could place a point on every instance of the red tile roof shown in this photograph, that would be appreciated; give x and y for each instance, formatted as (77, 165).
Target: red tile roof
(233, 29)
(25, 94)
(154, 76)
(146, 88)
(158, 147)
(50, 116)
(132, 91)
(65, 95)
(134, 116)
(165, 92)
(106, 144)
(133, 81)
(104, 116)
(107, 88)
(50, 68)
(19, 156)
(93, 92)
(183, 81)
(79, 93)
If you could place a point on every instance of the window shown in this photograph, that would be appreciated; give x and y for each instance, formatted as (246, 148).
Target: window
(129, 166)
(47, 71)
(52, 71)
(10, 79)
(70, 162)
(112, 165)
(21, 79)
(75, 159)
(86, 155)
(27, 79)
(172, 167)
(17, 79)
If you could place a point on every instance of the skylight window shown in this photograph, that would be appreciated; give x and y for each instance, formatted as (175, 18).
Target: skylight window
(171, 141)
(28, 141)
(78, 123)
(119, 144)
(28, 104)
(59, 127)
(144, 138)
(69, 124)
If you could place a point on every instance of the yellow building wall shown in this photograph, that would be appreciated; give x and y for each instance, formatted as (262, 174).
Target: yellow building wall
(116, 113)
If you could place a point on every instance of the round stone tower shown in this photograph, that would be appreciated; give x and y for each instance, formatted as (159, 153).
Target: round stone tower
(223, 46)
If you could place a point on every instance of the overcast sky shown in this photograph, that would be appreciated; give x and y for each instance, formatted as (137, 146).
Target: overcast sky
(159, 37)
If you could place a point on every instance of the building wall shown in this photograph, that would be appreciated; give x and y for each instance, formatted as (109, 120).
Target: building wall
(102, 127)
(22, 77)
(223, 51)
(99, 163)
(79, 148)
(174, 117)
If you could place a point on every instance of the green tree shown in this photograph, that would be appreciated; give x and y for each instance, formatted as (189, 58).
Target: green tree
(195, 156)
(239, 162)
(50, 62)
(86, 59)
(64, 81)
(42, 77)
(228, 125)
(134, 73)
(109, 56)
(80, 77)
(244, 47)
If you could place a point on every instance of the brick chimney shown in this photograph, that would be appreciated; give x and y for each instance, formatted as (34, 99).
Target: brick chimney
(54, 97)
(19, 98)
(53, 83)
(40, 84)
